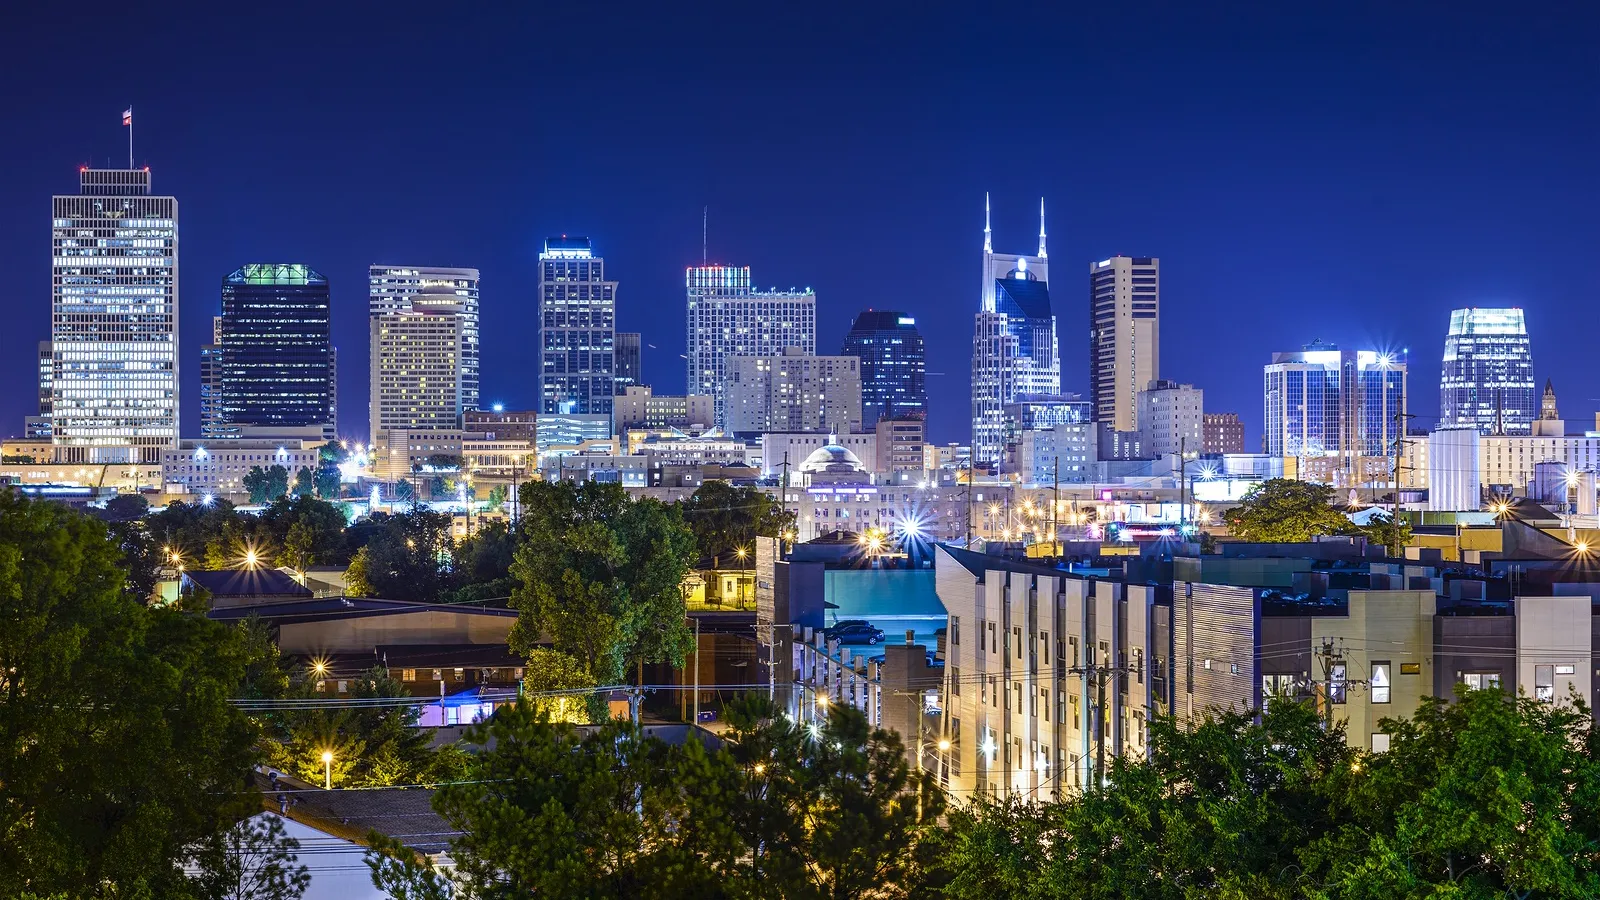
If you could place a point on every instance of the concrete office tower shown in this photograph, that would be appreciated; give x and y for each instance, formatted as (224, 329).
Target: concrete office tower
(114, 319)
(1487, 380)
(396, 288)
(630, 361)
(276, 338)
(728, 319)
(212, 424)
(417, 379)
(577, 329)
(47, 377)
(1171, 418)
(1224, 433)
(894, 367)
(1124, 336)
(1014, 347)
(793, 392)
(1323, 401)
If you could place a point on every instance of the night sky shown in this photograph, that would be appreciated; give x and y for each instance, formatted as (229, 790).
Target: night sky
(1350, 179)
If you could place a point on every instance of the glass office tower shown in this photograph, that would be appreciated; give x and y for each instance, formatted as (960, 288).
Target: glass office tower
(894, 367)
(1487, 380)
(276, 349)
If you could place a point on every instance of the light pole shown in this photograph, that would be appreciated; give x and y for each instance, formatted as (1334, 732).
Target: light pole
(327, 770)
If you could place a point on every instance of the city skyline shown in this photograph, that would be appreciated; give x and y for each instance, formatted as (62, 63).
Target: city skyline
(1474, 211)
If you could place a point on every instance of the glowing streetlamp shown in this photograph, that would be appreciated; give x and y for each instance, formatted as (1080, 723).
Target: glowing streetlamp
(327, 770)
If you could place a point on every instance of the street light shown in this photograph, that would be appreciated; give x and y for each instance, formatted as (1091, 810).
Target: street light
(327, 770)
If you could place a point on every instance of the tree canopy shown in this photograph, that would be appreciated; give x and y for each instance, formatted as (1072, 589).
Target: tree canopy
(1284, 510)
(601, 576)
(725, 517)
(118, 747)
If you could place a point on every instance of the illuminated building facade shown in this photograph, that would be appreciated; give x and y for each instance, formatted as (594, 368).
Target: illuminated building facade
(1124, 336)
(727, 318)
(1487, 380)
(1322, 401)
(276, 349)
(417, 380)
(394, 289)
(1014, 347)
(577, 330)
(894, 366)
(114, 319)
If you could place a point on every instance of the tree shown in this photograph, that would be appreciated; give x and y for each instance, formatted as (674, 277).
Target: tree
(266, 484)
(1283, 510)
(550, 671)
(126, 507)
(602, 576)
(304, 482)
(308, 531)
(1384, 531)
(256, 859)
(327, 480)
(724, 517)
(407, 557)
(118, 747)
(403, 490)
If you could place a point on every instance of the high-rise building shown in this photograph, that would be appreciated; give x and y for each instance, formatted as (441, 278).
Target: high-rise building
(47, 377)
(276, 341)
(1171, 418)
(1487, 381)
(1124, 336)
(793, 392)
(1327, 402)
(894, 367)
(114, 319)
(417, 379)
(727, 318)
(1014, 347)
(212, 423)
(630, 361)
(1224, 433)
(577, 329)
(397, 288)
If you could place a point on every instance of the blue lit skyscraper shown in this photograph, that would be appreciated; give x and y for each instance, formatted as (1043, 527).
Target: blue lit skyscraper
(577, 329)
(1487, 380)
(1323, 401)
(894, 367)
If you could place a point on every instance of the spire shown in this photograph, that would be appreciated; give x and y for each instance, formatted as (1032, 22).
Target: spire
(1042, 254)
(988, 246)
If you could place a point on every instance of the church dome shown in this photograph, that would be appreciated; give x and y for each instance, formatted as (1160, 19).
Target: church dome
(831, 459)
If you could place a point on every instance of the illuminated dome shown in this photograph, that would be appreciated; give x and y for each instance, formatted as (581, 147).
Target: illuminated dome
(832, 460)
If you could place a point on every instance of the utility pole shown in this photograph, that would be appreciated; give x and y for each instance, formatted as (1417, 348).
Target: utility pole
(783, 499)
(697, 671)
(969, 505)
(1098, 674)
(1331, 657)
(1055, 505)
(1183, 484)
(1399, 447)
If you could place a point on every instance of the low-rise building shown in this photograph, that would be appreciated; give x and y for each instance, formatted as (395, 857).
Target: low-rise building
(639, 407)
(201, 467)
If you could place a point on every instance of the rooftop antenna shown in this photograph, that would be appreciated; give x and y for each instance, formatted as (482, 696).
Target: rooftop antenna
(988, 247)
(705, 232)
(1042, 254)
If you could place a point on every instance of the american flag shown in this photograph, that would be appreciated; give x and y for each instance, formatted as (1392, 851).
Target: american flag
(127, 117)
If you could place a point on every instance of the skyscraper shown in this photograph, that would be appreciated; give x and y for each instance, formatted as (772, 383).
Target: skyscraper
(276, 346)
(1487, 380)
(212, 423)
(1014, 348)
(793, 392)
(727, 318)
(1322, 401)
(577, 329)
(396, 288)
(630, 361)
(894, 367)
(1124, 336)
(417, 378)
(114, 318)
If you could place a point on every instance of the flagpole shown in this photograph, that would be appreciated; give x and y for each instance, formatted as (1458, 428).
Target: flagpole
(130, 138)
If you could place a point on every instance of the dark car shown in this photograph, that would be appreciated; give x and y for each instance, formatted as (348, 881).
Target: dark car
(854, 632)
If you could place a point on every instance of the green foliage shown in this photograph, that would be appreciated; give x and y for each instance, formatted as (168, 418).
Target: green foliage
(550, 811)
(118, 747)
(551, 670)
(327, 480)
(372, 745)
(1384, 532)
(403, 490)
(266, 484)
(601, 576)
(1283, 510)
(498, 495)
(406, 557)
(256, 859)
(126, 507)
(724, 517)
(306, 530)
(304, 482)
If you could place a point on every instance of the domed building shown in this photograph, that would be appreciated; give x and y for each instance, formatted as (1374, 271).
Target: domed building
(833, 464)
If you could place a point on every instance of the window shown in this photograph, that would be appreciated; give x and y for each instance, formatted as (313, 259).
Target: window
(955, 682)
(438, 674)
(408, 674)
(1016, 635)
(1337, 688)
(1380, 742)
(1480, 680)
(344, 687)
(1411, 668)
(955, 631)
(1380, 681)
(1544, 682)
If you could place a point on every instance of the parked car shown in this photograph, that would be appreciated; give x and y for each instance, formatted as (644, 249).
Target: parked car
(854, 632)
